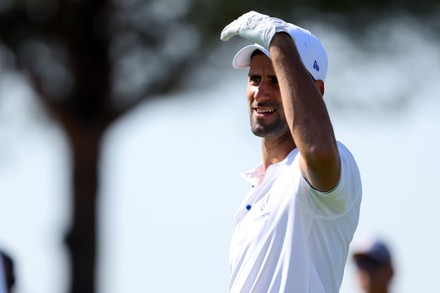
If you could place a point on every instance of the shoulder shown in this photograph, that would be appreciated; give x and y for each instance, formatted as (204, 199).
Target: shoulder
(348, 162)
(348, 191)
(349, 186)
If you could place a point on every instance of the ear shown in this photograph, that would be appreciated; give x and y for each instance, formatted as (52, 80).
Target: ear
(320, 86)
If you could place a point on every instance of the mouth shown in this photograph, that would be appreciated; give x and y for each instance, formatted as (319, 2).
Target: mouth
(263, 112)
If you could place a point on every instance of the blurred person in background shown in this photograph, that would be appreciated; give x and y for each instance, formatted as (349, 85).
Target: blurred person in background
(374, 267)
(7, 275)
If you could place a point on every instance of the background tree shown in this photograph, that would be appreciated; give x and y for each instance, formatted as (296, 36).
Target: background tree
(91, 61)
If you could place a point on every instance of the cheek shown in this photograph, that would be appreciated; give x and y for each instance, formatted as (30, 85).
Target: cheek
(252, 91)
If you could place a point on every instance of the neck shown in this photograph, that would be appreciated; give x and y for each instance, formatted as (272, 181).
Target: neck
(276, 149)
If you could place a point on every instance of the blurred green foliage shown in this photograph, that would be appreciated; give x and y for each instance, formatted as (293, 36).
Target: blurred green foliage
(146, 42)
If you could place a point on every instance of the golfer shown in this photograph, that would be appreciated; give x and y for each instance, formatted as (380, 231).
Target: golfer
(293, 230)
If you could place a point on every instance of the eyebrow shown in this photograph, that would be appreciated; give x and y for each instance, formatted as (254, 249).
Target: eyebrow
(271, 76)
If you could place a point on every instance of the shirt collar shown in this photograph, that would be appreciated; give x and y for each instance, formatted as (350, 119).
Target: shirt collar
(255, 175)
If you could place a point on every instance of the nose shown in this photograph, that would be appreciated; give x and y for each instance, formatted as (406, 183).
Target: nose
(261, 92)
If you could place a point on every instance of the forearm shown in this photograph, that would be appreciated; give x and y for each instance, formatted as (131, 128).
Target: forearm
(306, 113)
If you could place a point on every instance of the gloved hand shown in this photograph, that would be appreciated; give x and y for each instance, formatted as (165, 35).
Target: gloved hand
(255, 27)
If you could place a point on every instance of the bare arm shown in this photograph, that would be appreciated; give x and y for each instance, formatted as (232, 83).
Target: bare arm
(306, 115)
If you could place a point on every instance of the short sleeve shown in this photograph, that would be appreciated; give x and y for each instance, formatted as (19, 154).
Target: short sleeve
(347, 192)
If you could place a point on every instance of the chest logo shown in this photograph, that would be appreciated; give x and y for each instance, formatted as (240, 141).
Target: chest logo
(264, 202)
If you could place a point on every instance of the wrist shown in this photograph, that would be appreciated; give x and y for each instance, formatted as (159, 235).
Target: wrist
(281, 37)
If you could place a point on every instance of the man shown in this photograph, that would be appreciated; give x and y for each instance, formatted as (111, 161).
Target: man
(292, 231)
(374, 266)
(7, 275)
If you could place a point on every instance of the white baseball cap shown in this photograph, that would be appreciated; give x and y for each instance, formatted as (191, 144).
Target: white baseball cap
(312, 52)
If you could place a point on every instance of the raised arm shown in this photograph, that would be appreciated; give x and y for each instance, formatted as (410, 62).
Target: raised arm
(306, 115)
(302, 100)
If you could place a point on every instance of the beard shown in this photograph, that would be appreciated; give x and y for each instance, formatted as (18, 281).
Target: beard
(265, 129)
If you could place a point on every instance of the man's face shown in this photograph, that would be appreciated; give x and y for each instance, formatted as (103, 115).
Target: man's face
(375, 280)
(373, 276)
(264, 98)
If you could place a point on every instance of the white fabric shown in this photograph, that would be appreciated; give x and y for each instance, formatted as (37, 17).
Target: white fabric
(310, 49)
(294, 238)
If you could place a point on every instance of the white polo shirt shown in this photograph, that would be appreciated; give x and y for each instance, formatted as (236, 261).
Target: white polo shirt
(289, 237)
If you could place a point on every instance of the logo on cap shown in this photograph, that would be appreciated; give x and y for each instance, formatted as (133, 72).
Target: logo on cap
(316, 66)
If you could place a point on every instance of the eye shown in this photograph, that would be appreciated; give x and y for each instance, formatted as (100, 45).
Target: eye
(254, 79)
(274, 81)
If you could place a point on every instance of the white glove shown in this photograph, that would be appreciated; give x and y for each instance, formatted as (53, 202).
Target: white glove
(255, 27)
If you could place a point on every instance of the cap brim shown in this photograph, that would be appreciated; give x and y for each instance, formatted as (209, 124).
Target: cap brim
(365, 261)
(243, 57)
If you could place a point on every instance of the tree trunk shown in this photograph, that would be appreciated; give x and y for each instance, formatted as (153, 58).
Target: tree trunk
(81, 239)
